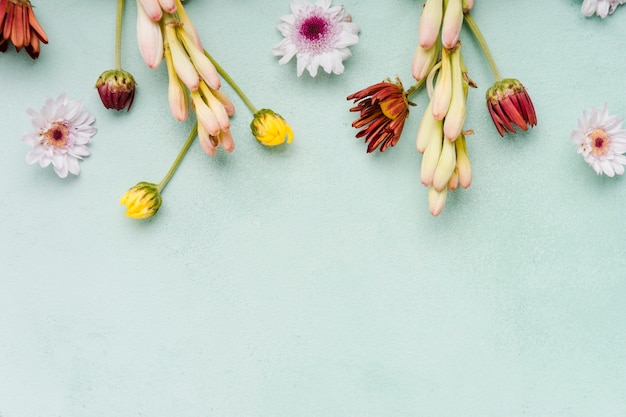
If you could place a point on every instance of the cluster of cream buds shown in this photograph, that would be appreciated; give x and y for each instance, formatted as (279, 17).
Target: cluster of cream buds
(440, 136)
(165, 30)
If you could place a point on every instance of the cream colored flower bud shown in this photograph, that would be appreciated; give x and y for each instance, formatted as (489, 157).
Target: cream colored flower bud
(430, 23)
(442, 92)
(467, 5)
(445, 166)
(455, 118)
(188, 25)
(149, 38)
(152, 9)
(182, 64)
(168, 5)
(176, 92)
(203, 65)
(215, 105)
(463, 163)
(436, 200)
(453, 182)
(429, 128)
(431, 157)
(205, 115)
(424, 60)
(208, 143)
(452, 23)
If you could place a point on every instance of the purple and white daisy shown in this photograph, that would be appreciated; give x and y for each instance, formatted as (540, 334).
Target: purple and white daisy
(317, 35)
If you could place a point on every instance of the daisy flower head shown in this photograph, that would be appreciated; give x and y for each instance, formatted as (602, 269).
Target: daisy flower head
(62, 132)
(600, 7)
(317, 35)
(601, 141)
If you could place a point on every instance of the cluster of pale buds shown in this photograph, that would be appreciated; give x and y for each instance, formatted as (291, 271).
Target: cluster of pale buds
(440, 136)
(165, 30)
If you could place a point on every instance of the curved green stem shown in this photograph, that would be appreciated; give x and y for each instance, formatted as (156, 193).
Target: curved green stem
(232, 83)
(179, 158)
(118, 34)
(414, 88)
(483, 45)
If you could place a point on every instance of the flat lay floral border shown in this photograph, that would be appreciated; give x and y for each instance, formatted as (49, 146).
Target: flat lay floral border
(318, 35)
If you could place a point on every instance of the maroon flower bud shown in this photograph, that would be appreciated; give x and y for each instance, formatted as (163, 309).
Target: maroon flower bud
(383, 109)
(116, 89)
(509, 102)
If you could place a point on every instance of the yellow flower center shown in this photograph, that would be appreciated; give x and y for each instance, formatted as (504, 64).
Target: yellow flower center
(388, 107)
(57, 135)
(600, 142)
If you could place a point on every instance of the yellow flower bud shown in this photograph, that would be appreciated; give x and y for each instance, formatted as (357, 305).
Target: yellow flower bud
(142, 201)
(270, 128)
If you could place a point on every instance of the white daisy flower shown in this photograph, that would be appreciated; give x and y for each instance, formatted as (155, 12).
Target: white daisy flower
(600, 7)
(601, 141)
(318, 35)
(63, 130)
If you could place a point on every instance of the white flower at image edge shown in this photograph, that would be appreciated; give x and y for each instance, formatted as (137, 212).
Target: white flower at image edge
(317, 35)
(601, 7)
(62, 131)
(601, 141)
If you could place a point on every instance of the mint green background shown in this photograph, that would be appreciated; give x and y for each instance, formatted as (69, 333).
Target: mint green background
(311, 280)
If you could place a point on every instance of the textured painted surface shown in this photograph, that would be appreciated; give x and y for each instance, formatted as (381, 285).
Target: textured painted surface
(311, 280)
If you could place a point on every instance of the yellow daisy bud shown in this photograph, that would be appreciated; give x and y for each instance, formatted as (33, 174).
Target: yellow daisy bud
(142, 201)
(270, 128)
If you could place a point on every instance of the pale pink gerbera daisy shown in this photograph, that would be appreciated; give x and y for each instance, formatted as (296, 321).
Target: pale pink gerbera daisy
(62, 131)
(318, 35)
(601, 141)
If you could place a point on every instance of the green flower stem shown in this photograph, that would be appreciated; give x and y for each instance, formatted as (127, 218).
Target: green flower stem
(414, 88)
(179, 158)
(483, 45)
(118, 34)
(232, 83)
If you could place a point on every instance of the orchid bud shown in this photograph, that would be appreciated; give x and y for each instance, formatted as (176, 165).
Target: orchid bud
(455, 118)
(424, 60)
(430, 23)
(149, 38)
(445, 165)
(431, 157)
(462, 162)
(452, 23)
(442, 92)
(436, 200)
(176, 92)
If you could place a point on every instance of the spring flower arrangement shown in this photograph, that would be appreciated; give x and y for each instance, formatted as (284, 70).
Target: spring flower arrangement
(166, 32)
(317, 35)
(441, 137)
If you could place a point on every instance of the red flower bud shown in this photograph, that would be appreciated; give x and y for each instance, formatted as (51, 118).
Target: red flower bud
(116, 89)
